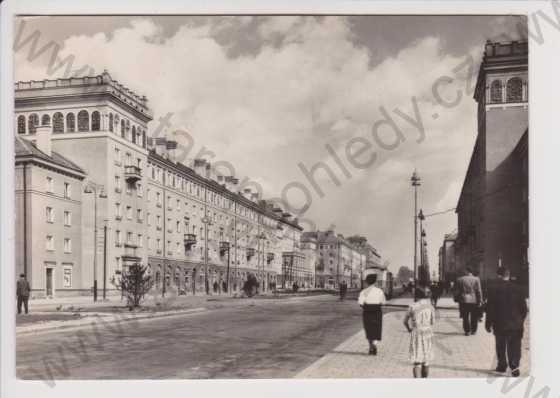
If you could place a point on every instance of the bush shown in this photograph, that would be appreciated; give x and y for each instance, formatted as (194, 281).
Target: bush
(134, 283)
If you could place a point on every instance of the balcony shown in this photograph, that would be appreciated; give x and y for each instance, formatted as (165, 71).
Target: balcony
(130, 245)
(132, 173)
(250, 252)
(189, 240)
(130, 256)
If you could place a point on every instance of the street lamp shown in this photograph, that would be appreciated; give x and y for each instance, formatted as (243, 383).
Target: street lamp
(93, 188)
(207, 221)
(415, 182)
(261, 237)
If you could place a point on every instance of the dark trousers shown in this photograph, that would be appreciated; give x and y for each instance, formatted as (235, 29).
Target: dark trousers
(470, 315)
(509, 343)
(22, 300)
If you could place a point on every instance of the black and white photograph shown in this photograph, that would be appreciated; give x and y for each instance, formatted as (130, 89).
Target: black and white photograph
(272, 196)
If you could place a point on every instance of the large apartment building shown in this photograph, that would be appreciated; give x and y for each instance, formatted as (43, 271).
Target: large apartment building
(132, 200)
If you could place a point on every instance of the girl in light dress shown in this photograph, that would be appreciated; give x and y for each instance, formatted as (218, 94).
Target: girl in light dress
(419, 322)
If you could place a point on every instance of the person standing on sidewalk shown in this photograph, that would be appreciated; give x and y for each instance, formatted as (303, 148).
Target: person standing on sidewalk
(506, 310)
(419, 322)
(22, 291)
(371, 300)
(469, 295)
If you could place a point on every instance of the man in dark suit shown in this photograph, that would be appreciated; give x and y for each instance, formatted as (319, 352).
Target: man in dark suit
(22, 291)
(469, 295)
(506, 310)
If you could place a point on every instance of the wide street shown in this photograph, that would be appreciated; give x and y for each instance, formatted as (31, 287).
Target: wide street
(264, 339)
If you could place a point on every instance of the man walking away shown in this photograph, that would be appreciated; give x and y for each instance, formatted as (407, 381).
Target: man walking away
(470, 296)
(22, 292)
(371, 300)
(506, 310)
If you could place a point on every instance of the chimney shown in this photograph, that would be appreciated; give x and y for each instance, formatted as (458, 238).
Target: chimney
(255, 197)
(171, 148)
(234, 184)
(221, 181)
(161, 146)
(247, 193)
(43, 138)
(208, 172)
(200, 167)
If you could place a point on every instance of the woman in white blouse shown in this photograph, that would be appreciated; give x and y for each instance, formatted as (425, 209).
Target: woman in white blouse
(371, 300)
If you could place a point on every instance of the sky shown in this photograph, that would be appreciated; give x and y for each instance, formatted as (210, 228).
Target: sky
(277, 95)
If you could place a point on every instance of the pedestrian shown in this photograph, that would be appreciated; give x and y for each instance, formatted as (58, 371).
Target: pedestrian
(215, 286)
(343, 289)
(22, 291)
(371, 300)
(469, 295)
(435, 289)
(419, 322)
(224, 287)
(506, 310)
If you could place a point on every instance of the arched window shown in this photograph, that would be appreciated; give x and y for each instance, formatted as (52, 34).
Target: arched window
(58, 123)
(70, 123)
(133, 134)
(110, 122)
(21, 124)
(496, 91)
(45, 120)
(95, 121)
(123, 132)
(83, 121)
(514, 90)
(32, 123)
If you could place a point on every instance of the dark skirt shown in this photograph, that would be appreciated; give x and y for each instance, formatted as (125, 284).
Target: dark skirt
(373, 321)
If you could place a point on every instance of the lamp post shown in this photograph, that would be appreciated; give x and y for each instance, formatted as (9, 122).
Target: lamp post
(260, 247)
(415, 182)
(207, 222)
(92, 187)
(421, 217)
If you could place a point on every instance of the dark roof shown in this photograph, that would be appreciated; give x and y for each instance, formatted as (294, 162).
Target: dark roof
(24, 147)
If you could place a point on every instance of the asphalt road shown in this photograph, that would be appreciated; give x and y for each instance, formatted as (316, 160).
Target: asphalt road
(270, 339)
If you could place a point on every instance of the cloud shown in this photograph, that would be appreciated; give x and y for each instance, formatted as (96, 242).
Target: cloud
(307, 85)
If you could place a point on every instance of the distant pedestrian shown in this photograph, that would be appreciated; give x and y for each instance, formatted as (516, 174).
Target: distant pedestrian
(224, 287)
(215, 286)
(469, 294)
(22, 291)
(436, 290)
(342, 289)
(419, 322)
(506, 310)
(371, 300)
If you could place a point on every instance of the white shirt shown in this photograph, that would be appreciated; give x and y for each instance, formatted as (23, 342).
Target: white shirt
(371, 295)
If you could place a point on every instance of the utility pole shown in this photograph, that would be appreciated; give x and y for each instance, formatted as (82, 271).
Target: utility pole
(105, 261)
(415, 181)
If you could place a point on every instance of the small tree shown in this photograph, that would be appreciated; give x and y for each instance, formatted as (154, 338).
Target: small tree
(134, 284)
(250, 285)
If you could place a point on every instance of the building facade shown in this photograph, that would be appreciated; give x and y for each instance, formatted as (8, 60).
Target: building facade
(493, 206)
(447, 264)
(133, 202)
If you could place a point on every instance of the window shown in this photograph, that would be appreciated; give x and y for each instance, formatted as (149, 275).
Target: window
(149, 243)
(158, 198)
(118, 210)
(70, 122)
(50, 243)
(45, 120)
(178, 247)
(158, 221)
(67, 245)
(67, 218)
(129, 212)
(129, 238)
(117, 155)
(58, 123)
(514, 90)
(118, 238)
(178, 204)
(123, 132)
(21, 124)
(158, 244)
(149, 219)
(67, 276)
(95, 121)
(496, 91)
(140, 240)
(111, 122)
(83, 121)
(50, 185)
(178, 226)
(32, 123)
(139, 214)
(117, 183)
(118, 263)
(139, 189)
(128, 159)
(67, 190)
(133, 134)
(50, 214)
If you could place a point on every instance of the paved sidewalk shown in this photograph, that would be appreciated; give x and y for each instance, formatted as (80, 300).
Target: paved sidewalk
(456, 355)
(444, 302)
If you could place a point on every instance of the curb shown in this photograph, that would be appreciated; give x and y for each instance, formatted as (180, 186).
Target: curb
(95, 316)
